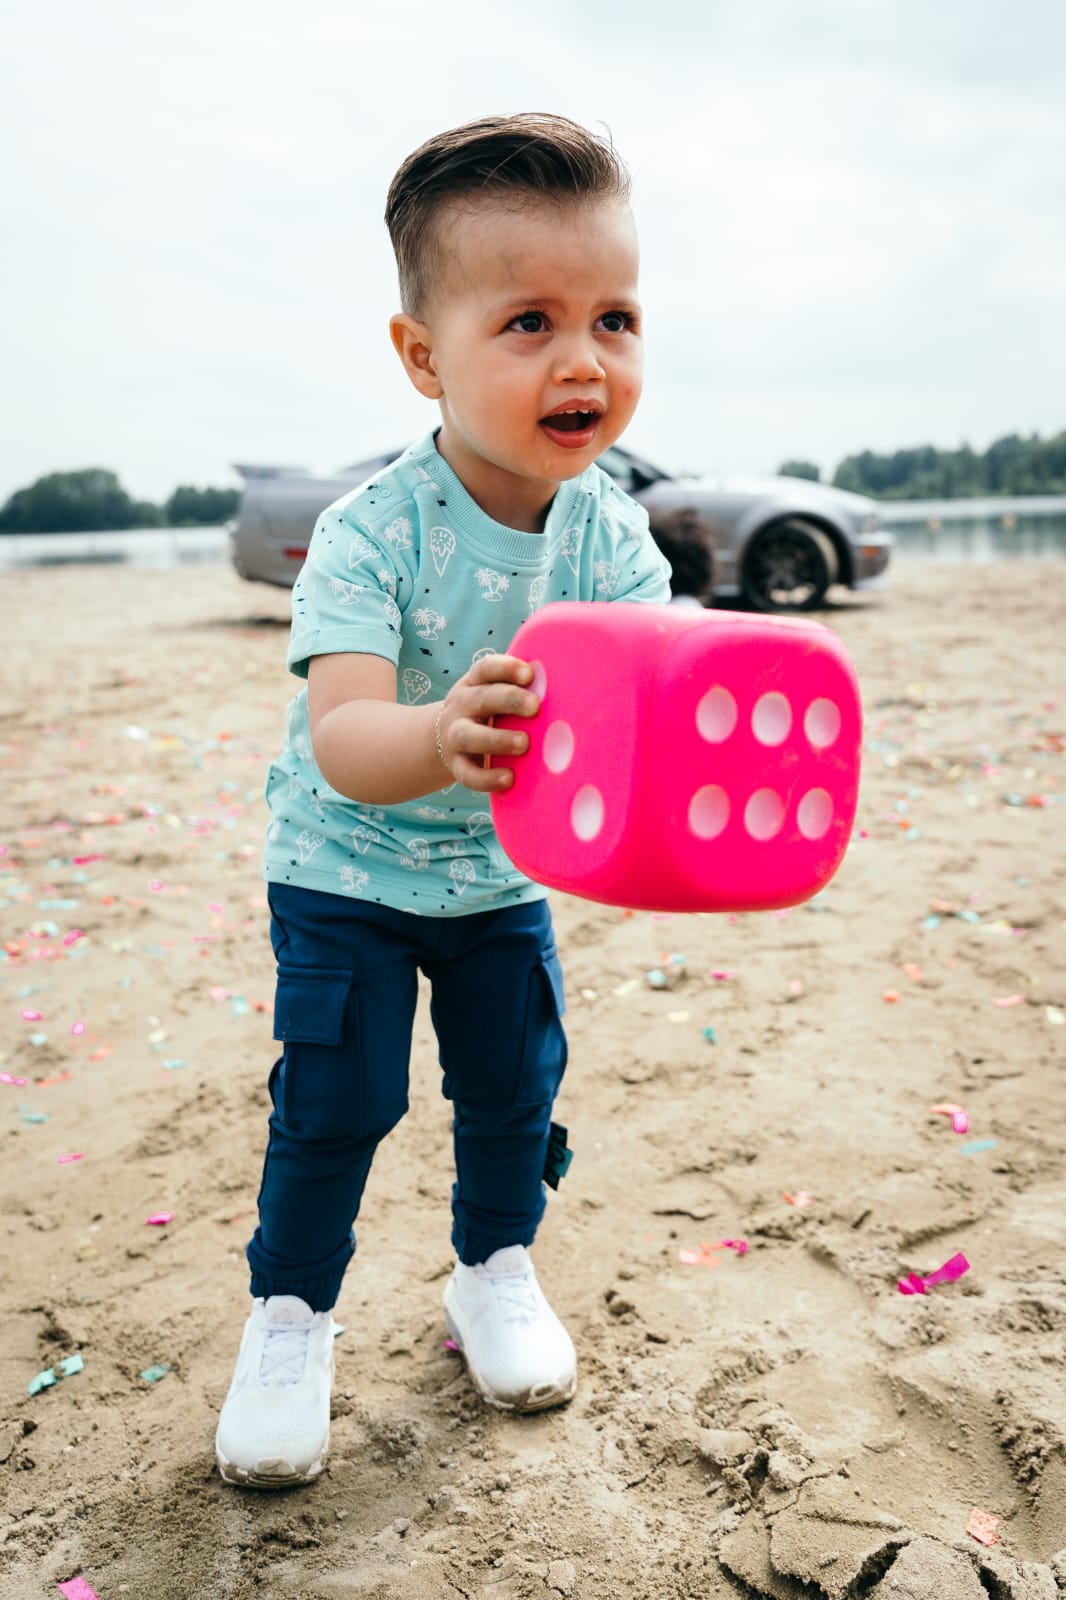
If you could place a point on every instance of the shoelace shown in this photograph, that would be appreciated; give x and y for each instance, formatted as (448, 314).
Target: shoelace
(516, 1295)
(284, 1355)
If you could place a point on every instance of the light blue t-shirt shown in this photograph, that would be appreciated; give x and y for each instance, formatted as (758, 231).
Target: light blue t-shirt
(410, 568)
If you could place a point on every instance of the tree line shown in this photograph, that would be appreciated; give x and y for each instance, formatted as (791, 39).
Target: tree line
(94, 500)
(1012, 465)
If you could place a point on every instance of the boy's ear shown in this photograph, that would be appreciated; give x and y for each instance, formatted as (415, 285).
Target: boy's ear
(413, 342)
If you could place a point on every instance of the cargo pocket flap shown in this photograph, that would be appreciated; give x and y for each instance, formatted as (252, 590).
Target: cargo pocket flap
(553, 970)
(309, 1004)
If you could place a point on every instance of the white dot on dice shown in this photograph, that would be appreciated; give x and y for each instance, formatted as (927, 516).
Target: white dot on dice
(764, 814)
(822, 723)
(558, 747)
(716, 715)
(708, 811)
(771, 719)
(586, 813)
(814, 814)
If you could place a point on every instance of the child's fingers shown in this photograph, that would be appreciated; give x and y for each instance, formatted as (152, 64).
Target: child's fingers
(482, 701)
(473, 774)
(480, 739)
(500, 669)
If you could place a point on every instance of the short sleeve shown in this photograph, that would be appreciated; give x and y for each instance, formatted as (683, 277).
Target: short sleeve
(643, 572)
(346, 598)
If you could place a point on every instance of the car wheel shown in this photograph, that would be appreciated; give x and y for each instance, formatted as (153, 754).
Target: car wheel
(788, 567)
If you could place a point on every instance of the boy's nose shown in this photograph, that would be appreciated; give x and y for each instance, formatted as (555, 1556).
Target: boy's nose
(579, 362)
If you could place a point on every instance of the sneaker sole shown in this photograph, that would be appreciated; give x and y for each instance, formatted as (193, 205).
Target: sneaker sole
(540, 1397)
(270, 1473)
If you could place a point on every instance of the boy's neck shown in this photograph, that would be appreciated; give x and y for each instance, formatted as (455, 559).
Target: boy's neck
(522, 504)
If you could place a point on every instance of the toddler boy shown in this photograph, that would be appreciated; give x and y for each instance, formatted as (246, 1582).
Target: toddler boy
(517, 260)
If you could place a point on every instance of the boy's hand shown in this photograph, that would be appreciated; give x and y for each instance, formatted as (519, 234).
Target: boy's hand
(495, 686)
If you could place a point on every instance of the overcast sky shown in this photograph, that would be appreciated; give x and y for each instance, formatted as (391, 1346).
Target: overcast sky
(852, 213)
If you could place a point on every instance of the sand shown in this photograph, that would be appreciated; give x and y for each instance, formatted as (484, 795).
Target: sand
(780, 1423)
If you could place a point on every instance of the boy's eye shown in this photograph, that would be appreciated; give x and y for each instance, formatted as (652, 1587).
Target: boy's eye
(530, 322)
(616, 321)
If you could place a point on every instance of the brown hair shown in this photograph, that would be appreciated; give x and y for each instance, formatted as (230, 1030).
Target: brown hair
(521, 158)
(687, 541)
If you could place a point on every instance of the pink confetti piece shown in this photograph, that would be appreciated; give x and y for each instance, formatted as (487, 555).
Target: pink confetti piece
(78, 1028)
(159, 1219)
(30, 1016)
(705, 1255)
(800, 1199)
(77, 1589)
(1006, 1000)
(723, 974)
(64, 1160)
(952, 1269)
(6, 1077)
(84, 861)
(697, 1258)
(983, 1526)
(453, 1348)
(214, 907)
(960, 1122)
(73, 936)
(156, 886)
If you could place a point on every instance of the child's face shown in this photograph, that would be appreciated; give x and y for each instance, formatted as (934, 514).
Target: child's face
(538, 317)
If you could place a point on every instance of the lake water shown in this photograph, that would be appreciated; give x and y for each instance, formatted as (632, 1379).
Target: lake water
(133, 547)
(978, 530)
(1032, 526)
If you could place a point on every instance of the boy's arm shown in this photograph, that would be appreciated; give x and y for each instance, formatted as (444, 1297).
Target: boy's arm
(378, 752)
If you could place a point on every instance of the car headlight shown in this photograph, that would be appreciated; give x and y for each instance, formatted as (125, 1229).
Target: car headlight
(871, 523)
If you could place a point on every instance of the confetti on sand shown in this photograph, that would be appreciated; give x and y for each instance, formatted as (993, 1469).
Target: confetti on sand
(705, 1256)
(77, 1589)
(952, 1269)
(983, 1526)
(960, 1122)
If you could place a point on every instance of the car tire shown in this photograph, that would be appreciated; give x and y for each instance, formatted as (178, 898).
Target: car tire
(789, 566)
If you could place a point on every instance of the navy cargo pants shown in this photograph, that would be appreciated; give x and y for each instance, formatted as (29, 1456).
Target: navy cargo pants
(347, 987)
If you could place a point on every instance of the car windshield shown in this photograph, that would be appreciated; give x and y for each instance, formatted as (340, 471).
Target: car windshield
(627, 470)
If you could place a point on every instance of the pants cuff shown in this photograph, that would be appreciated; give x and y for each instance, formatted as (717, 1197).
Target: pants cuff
(320, 1290)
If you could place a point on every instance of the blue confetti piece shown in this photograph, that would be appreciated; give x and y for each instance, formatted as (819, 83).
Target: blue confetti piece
(71, 1365)
(43, 1380)
(160, 1370)
(977, 1145)
(175, 1065)
(710, 1035)
(931, 921)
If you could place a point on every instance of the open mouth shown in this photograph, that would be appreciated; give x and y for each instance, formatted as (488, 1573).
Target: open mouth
(571, 421)
(574, 427)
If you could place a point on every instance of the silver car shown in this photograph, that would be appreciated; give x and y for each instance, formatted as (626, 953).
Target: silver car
(779, 543)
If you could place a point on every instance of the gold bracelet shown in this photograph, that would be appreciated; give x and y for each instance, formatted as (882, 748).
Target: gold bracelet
(440, 747)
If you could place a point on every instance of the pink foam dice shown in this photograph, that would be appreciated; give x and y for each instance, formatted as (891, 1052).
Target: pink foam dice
(682, 760)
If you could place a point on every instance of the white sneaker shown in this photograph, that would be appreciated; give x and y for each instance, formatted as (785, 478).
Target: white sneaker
(274, 1427)
(517, 1351)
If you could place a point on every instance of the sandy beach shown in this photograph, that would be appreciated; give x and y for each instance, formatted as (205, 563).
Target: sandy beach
(780, 1422)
